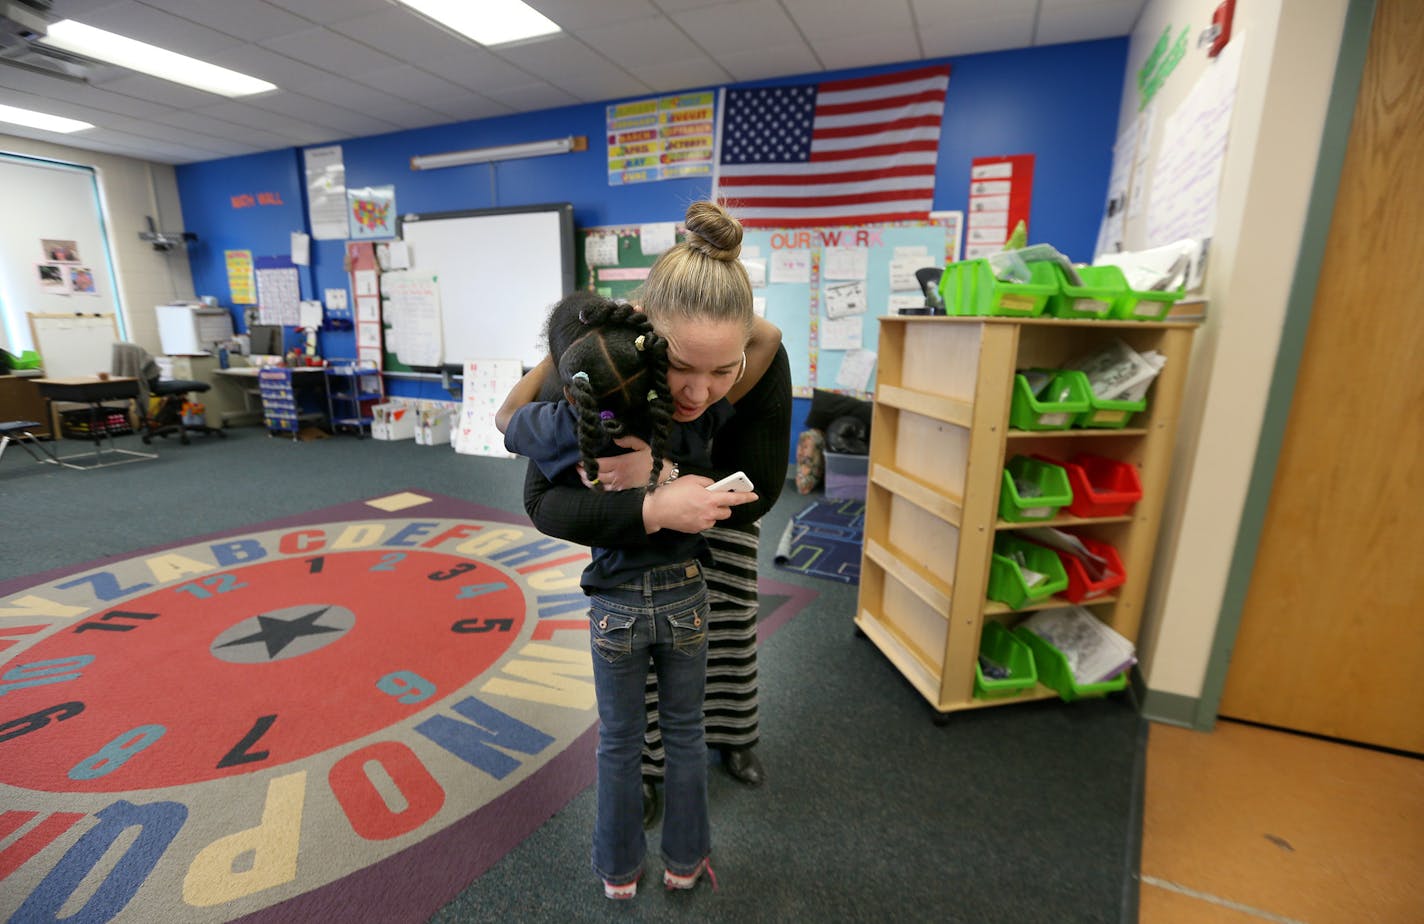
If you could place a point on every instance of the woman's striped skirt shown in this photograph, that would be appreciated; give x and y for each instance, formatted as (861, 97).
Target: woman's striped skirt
(731, 703)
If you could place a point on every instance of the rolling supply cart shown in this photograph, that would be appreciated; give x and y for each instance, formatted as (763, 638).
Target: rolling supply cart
(353, 389)
(959, 479)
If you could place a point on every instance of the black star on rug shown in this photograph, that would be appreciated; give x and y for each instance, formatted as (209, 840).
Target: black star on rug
(279, 633)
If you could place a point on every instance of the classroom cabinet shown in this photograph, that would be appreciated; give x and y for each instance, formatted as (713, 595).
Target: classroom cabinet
(940, 440)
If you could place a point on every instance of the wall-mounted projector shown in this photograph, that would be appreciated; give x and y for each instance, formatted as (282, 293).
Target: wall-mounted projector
(166, 240)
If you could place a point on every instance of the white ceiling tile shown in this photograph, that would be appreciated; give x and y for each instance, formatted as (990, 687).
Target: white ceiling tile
(156, 27)
(951, 12)
(80, 94)
(867, 49)
(319, 112)
(162, 92)
(602, 84)
(764, 63)
(581, 14)
(471, 106)
(559, 55)
(411, 83)
(271, 122)
(731, 28)
(973, 37)
(331, 10)
(287, 73)
(224, 129)
(682, 75)
(72, 9)
(477, 70)
(682, 6)
(642, 41)
(1060, 22)
(850, 19)
(251, 20)
(329, 51)
(533, 97)
(399, 32)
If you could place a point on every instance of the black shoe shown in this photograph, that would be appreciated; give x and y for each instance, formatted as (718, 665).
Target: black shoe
(743, 765)
(652, 804)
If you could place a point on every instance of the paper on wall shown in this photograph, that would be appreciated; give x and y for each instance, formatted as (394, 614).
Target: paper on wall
(336, 299)
(365, 282)
(845, 298)
(759, 305)
(657, 236)
(486, 383)
(902, 271)
(601, 249)
(844, 262)
(856, 367)
(841, 333)
(790, 266)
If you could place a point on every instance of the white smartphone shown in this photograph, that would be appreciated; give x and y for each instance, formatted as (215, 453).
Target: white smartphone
(737, 481)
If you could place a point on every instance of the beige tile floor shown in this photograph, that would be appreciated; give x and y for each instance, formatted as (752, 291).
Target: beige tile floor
(1244, 824)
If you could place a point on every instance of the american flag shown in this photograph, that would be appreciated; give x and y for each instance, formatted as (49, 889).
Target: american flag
(840, 152)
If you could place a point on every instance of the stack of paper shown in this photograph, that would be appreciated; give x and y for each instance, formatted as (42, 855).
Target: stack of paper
(1093, 650)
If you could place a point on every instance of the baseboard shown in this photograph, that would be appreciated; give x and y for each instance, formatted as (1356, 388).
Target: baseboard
(1168, 708)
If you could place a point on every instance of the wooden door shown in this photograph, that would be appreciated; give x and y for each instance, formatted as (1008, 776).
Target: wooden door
(1332, 634)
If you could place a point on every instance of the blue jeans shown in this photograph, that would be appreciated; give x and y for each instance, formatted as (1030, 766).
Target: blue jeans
(662, 614)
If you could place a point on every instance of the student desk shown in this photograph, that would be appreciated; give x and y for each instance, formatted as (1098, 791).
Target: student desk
(94, 391)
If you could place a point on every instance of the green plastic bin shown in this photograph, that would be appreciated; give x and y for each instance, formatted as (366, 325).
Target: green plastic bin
(1103, 414)
(998, 644)
(970, 288)
(1066, 398)
(1099, 292)
(1053, 671)
(1136, 305)
(1053, 490)
(1007, 582)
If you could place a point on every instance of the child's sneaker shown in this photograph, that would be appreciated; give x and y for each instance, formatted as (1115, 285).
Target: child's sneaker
(624, 891)
(674, 881)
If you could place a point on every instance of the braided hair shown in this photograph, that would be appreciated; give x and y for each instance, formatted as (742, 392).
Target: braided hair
(614, 369)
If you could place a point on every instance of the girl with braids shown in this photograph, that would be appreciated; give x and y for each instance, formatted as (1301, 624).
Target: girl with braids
(647, 599)
(698, 296)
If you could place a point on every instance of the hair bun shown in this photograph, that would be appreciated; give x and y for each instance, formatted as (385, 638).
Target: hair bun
(713, 232)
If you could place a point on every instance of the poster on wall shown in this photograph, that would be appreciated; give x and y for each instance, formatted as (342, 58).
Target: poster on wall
(240, 282)
(53, 280)
(279, 292)
(372, 212)
(81, 280)
(664, 138)
(326, 192)
(1000, 193)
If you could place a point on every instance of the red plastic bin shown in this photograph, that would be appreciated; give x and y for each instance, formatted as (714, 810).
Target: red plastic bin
(1102, 487)
(1080, 586)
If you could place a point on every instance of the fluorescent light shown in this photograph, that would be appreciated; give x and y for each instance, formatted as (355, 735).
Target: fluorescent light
(502, 152)
(489, 22)
(50, 123)
(80, 39)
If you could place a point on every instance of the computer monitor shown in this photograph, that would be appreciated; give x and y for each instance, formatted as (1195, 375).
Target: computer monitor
(265, 339)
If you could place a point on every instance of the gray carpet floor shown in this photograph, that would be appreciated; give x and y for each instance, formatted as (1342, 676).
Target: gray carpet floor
(1026, 813)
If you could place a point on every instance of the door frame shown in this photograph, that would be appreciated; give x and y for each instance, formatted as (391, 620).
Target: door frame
(1339, 116)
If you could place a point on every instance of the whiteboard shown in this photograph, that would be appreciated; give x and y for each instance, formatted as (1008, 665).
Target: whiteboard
(498, 272)
(73, 344)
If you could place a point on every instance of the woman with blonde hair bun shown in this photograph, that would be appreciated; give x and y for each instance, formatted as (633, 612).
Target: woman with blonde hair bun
(698, 296)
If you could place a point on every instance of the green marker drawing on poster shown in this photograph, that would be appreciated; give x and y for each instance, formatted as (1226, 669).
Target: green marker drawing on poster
(1159, 65)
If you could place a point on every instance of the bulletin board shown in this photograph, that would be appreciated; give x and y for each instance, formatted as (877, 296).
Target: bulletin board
(803, 306)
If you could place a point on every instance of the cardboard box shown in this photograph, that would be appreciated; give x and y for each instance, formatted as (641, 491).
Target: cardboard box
(394, 420)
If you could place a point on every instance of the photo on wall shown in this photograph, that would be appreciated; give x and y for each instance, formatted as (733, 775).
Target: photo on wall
(53, 280)
(60, 251)
(81, 281)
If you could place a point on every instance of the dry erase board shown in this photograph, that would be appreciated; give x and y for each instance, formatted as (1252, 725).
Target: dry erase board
(498, 272)
(74, 344)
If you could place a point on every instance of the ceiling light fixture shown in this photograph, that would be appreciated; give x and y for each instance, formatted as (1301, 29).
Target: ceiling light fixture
(502, 152)
(77, 38)
(490, 22)
(50, 123)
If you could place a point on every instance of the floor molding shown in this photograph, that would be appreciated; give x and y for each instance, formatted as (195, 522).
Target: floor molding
(1217, 900)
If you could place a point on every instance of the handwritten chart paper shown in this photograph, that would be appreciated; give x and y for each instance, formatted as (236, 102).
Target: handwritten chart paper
(487, 381)
(415, 316)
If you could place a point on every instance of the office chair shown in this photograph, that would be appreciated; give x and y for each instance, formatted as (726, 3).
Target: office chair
(164, 416)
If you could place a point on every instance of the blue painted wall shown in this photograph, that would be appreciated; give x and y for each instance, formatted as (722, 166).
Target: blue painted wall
(1058, 103)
